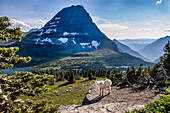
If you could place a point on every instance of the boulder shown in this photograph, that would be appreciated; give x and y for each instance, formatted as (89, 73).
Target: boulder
(93, 96)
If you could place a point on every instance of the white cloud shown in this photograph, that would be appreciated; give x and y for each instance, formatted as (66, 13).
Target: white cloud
(38, 27)
(111, 30)
(112, 27)
(40, 21)
(99, 20)
(17, 23)
(158, 2)
(21, 24)
(28, 23)
(107, 27)
(146, 30)
(34, 22)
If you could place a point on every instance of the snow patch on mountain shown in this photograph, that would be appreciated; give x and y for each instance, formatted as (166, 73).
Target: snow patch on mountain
(63, 40)
(41, 33)
(37, 40)
(84, 44)
(65, 33)
(73, 33)
(48, 31)
(74, 41)
(55, 30)
(95, 44)
(53, 25)
(47, 40)
(89, 46)
(57, 18)
(41, 42)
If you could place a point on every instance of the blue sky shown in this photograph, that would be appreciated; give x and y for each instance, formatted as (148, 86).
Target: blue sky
(120, 19)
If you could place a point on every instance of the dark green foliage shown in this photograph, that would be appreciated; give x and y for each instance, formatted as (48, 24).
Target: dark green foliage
(166, 58)
(90, 75)
(167, 91)
(157, 73)
(71, 78)
(116, 77)
(41, 107)
(28, 84)
(61, 76)
(95, 63)
(158, 106)
(47, 72)
(139, 73)
(131, 75)
(7, 55)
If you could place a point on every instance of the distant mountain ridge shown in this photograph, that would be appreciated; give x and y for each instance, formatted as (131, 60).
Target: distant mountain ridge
(155, 50)
(125, 49)
(137, 44)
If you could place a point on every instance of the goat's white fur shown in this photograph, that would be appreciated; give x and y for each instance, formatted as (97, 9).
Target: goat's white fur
(104, 84)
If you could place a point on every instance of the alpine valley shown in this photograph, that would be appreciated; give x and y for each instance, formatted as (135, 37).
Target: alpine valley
(71, 40)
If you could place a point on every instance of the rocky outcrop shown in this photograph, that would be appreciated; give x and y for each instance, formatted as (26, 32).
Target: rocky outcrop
(120, 99)
(92, 96)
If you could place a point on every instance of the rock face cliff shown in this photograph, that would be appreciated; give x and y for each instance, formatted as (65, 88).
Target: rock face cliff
(73, 29)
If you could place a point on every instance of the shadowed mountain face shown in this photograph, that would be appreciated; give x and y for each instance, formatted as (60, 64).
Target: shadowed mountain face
(125, 49)
(155, 50)
(73, 29)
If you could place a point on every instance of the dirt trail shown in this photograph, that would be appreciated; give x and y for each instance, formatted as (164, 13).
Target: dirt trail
(118, 101)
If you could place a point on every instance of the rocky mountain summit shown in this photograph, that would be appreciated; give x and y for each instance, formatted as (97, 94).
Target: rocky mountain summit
(73, 29)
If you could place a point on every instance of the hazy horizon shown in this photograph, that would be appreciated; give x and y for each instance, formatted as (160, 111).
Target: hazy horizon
(117, 19)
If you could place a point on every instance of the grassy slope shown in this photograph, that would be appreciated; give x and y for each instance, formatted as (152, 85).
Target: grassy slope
(59, 95)
(93, 61)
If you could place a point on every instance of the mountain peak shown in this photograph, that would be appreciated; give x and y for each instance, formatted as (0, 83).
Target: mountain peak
(77, 6)
(73, 28)
(74, 8)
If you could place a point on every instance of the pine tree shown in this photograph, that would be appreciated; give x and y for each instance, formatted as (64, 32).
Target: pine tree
(90, 75)
(166, 58)
(47, 71)
(139, 73)
(27, 83)
(71, 78)
(7, 55)
(52, 72)
(131, 76)
(128, 69)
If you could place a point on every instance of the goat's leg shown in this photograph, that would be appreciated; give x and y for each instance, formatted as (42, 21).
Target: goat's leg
(102, 91)
(109, 89)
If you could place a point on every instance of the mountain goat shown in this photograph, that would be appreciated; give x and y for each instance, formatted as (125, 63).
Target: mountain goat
(104, 84)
